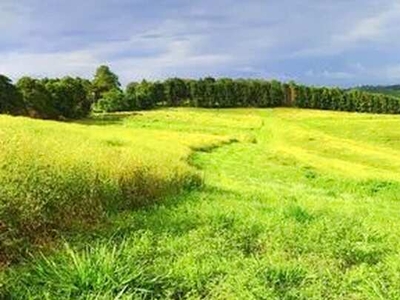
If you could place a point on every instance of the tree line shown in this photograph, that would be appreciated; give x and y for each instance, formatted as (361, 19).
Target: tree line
(72, 98)
(66, 98)
(391, 90)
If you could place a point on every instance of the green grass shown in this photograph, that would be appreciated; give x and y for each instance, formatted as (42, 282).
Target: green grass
(56, 176)
(303, 206)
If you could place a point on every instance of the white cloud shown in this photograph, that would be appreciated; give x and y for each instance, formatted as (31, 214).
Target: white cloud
(172, 56)
(178, 59)
(336, 75)
(260, 38)
(374, 28)
(77, 63)
(377, 28)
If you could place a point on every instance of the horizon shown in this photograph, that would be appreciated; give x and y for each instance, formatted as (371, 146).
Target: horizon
(338, 43)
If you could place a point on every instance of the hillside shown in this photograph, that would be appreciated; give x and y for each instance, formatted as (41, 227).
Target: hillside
(301, 206)
(391, 90)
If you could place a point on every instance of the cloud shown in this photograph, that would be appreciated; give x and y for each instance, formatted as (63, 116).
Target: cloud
(336, 75)
(389, 73)
(137, 38)
(78, 63)
(168, 54)
(374, 29)
(179, 59)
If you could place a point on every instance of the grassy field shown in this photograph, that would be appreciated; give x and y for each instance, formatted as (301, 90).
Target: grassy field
(57, 176)
(303, 205)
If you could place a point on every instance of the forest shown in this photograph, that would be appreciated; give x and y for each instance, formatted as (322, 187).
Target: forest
(74, 98)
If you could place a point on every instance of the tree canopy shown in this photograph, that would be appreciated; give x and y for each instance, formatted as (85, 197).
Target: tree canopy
(72, 98)
(104, 81)
(11, 101)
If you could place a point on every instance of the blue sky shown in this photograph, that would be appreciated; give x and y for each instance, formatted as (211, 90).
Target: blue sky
(322, 42)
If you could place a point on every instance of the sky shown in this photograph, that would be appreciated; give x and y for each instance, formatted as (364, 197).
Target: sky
(318, 42)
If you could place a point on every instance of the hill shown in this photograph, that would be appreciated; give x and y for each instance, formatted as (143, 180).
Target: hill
(391, 90)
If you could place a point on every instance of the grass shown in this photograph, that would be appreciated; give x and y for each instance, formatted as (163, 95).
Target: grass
(62, 176)
(303, 206)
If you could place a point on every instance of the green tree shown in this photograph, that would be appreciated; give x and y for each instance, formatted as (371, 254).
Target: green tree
(70, 96)
(37, 99)
(104, 81)
(175, 91)
(145, 95)
(111, 101)
(277, 95)
(11, 101)
(130, 95)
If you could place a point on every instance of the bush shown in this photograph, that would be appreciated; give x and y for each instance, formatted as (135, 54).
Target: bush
(112, 101)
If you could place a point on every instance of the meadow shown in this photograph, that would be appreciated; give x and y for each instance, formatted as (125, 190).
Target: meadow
(201, 204)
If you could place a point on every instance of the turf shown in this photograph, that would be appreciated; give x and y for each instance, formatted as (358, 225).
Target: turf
(303, 206)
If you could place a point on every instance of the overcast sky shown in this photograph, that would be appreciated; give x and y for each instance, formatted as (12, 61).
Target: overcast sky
(332, 42)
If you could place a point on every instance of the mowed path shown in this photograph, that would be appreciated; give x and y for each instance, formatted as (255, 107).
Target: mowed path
(304, 206)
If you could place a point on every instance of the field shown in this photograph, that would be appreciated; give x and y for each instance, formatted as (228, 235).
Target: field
(201, 204)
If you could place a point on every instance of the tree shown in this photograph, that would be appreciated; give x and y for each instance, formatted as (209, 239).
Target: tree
(301, 97)
(10, 99)
(70, 96)
(145, 95)
(277, 95)
(196, 95)
(37, 99)
(175, 91)
(158, 93)
(336, 95)
(130, 95)
(111, 101)
(104, 81)
(241, 93)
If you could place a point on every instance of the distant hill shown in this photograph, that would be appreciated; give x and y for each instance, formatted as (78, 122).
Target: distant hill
(392, 90)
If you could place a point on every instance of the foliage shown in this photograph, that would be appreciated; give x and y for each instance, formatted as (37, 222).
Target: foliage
(145, 95)
(67, 98)
(343, 100)
(112, 101)
(390, 90)
(226, 93)
(104, 81)
(37, 98)
(72, 98)
(176, 91)
(10, 99)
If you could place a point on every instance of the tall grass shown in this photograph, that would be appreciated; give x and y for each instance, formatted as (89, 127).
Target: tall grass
(304, 207)
(65, 176)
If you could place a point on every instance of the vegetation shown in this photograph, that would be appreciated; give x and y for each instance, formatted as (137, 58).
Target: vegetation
(56, 176)
(67, 98)
(391, 90)
(228, 93)
(302, 207)
(104, 81)
(10, 99)
(74, 98)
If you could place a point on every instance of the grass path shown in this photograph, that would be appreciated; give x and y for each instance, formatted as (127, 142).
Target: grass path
(304, 207)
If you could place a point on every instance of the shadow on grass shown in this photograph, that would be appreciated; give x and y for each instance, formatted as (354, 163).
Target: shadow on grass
(107, 119)
(169, 215)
